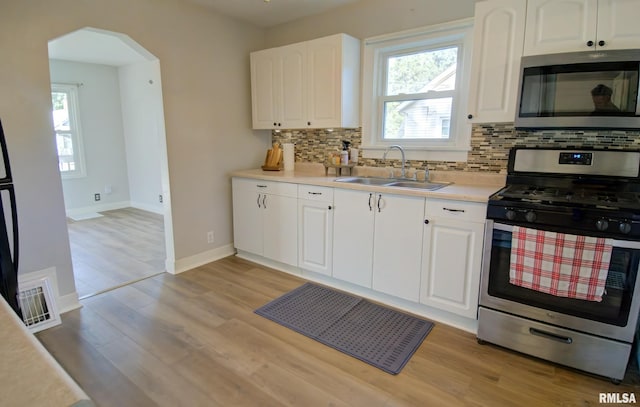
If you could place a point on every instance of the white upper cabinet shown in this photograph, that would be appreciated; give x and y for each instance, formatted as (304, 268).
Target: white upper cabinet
(555, 26)
(498, 40)
(313, 84)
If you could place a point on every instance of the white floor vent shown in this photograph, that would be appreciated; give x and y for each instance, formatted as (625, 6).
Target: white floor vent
(38, 305)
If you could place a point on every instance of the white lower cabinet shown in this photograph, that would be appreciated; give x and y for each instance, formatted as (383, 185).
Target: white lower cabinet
(397, 245)
(377, 241)
(452, 252)
(424, 250)
(353, 236)
(265, 220)
(315, 229)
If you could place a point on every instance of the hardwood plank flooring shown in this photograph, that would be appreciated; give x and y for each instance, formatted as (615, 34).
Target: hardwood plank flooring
(194, 340)
(123, 245)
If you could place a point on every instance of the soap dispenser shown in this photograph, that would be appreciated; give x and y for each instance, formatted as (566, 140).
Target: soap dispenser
(344, 154)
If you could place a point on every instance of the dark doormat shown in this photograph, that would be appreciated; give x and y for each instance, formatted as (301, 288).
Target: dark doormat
(377, 335)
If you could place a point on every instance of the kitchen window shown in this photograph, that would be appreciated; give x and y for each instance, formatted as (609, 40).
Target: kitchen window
(415, 90)
(67, 130)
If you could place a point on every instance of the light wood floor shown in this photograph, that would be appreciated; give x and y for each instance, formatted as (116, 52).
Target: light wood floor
(123, 245)
(193, 340)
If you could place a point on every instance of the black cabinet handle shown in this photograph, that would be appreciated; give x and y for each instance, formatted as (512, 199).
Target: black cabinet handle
(264, 201)
(426, 221)
(470, 116)
(590, 43)
(379, 199)
(314, 193)
(453, 210)
(370, 207)
(601, 43)
(258, 201)
(330, 207)
(308, 123)
(261, 186)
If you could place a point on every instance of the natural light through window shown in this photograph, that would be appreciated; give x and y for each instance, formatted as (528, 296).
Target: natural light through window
(418, 96)
(67, 130)
(415, 87)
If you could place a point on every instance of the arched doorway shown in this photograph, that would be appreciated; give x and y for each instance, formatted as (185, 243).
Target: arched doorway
(113, 158)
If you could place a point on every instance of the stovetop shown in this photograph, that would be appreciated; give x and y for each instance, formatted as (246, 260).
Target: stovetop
(577, 196)
(595, 192)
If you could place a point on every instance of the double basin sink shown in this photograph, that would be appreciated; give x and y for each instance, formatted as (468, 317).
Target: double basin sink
(394, 182)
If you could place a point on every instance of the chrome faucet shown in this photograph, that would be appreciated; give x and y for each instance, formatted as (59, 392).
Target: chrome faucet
(404, 161)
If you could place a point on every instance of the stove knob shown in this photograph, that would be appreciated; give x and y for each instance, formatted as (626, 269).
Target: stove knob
(602, 224)
(624, 227)
(510, 214)
(531, 216)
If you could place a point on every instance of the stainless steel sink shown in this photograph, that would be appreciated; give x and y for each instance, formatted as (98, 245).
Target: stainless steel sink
(394, 182)
(366, 180)
(428, 186)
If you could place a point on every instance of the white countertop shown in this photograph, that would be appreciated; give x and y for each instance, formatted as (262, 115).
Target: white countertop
(467, 186)
(29, 375)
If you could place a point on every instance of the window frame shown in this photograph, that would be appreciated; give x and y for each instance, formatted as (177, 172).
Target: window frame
(377, 50)
(74, 129)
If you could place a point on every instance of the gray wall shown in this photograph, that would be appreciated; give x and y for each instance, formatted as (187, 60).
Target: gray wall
(102, 135)
(205, 78)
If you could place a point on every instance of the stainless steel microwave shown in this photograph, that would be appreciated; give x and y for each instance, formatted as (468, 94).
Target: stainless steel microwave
(595, 89)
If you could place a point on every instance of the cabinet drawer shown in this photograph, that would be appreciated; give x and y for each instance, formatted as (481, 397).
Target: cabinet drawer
(461, 210)
(277, 188)
(314, 193)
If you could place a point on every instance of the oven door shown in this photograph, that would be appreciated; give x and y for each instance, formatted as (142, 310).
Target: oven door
(615, 317)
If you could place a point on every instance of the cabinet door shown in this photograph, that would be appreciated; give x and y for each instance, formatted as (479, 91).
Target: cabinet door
(397, 247)
(353, 236)
(497, 49)
(247, 216)
(280, 228)
(555, 26)
(293, 97)
(315, 236)
(618, 24)
(266, 72)
(452, 262)
(324, 58)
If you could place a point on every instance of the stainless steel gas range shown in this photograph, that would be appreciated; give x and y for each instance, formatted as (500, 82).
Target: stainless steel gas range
(559, 276)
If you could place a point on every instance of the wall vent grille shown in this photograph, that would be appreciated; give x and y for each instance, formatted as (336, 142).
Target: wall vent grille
(39, 310)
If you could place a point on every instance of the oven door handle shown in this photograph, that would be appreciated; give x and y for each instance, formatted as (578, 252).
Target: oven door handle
(552, 336)
(628, 244)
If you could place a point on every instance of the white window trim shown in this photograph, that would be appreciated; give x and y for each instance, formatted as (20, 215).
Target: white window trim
(74, 111)
(457, 147)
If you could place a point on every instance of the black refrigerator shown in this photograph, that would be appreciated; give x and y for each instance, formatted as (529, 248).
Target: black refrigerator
(8, 232)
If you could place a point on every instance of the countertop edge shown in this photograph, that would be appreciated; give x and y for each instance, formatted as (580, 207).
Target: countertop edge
(461, 191)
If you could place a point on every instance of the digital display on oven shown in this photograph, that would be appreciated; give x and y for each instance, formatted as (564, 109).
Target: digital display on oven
(576, 158)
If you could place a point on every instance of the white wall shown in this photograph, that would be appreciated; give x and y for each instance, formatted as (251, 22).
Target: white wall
(141, 110)
(368, 18)
(207, 104)
(102, 133)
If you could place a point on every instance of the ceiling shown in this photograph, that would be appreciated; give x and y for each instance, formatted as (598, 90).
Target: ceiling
(273, 12)
(95, 46)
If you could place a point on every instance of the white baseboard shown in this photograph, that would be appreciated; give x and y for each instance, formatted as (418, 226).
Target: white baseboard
(157, 209)
(200, 259)
(68, 302)
(98, 208)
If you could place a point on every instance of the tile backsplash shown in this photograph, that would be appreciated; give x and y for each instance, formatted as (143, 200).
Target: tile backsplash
(490, 145)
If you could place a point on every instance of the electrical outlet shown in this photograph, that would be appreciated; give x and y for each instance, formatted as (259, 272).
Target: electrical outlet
(96, 197)
(210, 237)
(160, 198)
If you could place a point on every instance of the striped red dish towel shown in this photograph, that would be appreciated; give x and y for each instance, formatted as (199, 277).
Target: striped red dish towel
(559, 264)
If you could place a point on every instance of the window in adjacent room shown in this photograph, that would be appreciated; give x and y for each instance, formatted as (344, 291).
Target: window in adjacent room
(67, 130)
(415, 92)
